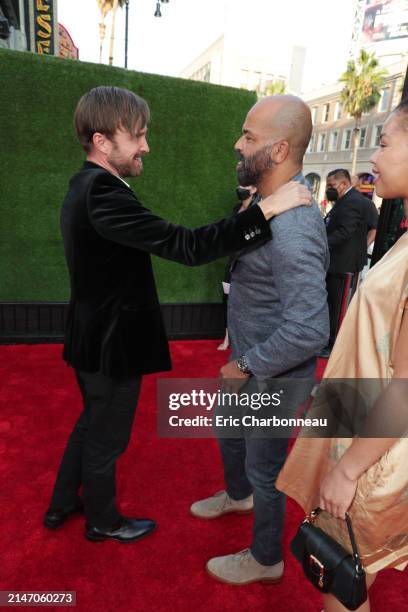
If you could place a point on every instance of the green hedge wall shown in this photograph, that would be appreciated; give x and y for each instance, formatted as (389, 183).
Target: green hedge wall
(189, 174)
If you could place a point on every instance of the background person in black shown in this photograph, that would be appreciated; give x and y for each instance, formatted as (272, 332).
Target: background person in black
(114, 331)
(348, 225)
(246, 196)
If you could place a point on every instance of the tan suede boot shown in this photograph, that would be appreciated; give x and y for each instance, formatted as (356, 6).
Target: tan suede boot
(219, 504)
(243, 568)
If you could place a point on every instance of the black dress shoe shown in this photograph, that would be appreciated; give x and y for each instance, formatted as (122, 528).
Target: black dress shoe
(129, 530)
(56, 518)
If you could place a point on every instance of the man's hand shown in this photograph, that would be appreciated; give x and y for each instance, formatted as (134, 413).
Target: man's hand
(337, 492)
(290, 195)
(233, 378)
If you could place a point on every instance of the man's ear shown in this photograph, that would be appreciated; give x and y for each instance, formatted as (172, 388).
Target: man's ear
(100, 142)
(280, 151)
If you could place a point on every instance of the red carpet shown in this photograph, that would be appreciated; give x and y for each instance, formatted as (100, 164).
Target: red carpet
(158, 478)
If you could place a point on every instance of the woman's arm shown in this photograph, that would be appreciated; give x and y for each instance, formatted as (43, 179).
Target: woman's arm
(389, 416)
(290, 195)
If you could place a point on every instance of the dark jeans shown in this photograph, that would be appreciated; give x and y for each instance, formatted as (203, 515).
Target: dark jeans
(253, 458)
(253, 465)
(99, 437)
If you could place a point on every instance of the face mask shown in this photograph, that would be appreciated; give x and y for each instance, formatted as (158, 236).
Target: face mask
(243, 193)
(332, 194)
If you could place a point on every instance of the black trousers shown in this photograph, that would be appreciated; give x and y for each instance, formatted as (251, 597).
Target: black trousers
(334, 286)
(100, 435)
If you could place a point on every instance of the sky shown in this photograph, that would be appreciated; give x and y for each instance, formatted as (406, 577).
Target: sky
(168, 44)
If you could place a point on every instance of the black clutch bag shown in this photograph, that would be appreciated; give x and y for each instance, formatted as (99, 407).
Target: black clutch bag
(327, 565)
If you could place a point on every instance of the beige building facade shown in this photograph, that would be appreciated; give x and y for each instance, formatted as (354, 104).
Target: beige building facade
(249, 52)
(222, 64)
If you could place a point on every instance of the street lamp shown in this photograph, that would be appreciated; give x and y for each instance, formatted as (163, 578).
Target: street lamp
(157, 14)
(158, 11)
(126, 32)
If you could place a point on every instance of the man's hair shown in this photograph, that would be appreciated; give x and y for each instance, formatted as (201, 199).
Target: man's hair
(106, 109)
(340, 173)
(402, 111)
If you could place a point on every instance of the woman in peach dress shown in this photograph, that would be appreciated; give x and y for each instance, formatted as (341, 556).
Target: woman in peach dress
(368, 477)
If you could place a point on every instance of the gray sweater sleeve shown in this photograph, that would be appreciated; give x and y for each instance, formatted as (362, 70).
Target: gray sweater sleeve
(298, 261)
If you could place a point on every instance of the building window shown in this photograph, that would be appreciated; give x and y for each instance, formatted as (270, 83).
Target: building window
(311, 144)
(314, 114)
(347, 139)
(376, 135)
(270, 85)
(258, 80)
(254, 80)
(363, 134)
(322, 142)
(334, 136)
(326, 111)
(203, 74)
(244, 78)
(337, 111)
(385, 98)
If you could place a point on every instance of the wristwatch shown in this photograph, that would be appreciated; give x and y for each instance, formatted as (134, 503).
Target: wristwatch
(242, 365)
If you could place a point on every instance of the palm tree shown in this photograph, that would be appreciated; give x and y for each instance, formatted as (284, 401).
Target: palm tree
(116, 4)
(105, 6)
(363, 81)
(274, 87)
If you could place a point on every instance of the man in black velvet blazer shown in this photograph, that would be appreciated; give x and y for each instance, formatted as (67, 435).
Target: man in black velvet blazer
(347, 224)
(115, 332)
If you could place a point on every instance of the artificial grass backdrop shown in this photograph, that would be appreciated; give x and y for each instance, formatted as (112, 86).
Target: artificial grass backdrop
(189, 174)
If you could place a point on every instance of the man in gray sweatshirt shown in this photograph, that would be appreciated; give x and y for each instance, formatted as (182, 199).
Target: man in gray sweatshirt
(278, 322)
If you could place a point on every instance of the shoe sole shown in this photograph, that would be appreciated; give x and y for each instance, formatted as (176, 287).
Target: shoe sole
(130, 541)
(215, 516)
(53, 525)
(267, 581)
(61, 523)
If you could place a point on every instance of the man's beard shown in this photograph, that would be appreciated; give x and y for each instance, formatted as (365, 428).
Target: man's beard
(251, 169)
(125, 169)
